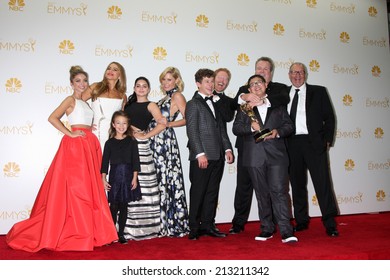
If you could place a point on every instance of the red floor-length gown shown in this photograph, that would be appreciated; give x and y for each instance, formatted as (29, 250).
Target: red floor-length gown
(71, 211)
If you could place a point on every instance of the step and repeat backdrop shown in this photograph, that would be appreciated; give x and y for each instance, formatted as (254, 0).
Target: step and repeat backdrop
(345, 45)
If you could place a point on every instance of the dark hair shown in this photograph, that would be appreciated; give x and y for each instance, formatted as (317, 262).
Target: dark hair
(133, 98)
(112, 131)
(75, 70)
(256, 76)
(203, 73)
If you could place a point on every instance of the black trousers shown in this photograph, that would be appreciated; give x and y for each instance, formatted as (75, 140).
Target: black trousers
(204, 192)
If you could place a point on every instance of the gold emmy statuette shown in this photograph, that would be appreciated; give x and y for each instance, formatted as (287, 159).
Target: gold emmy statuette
(259, 135)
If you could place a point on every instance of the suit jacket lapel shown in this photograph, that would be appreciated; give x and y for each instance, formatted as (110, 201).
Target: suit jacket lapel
(204, 103)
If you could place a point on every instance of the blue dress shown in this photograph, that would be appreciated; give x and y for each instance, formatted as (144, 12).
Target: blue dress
(166, 154)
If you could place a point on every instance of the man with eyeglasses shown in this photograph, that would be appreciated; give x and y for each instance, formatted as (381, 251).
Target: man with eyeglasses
(276, 94)
(308, 149)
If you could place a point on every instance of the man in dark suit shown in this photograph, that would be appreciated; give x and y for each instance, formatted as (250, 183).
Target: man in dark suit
(267, 161)
(277, 95)
(308, 148)
(208, 145)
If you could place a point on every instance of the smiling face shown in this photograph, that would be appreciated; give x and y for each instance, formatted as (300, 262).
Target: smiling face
(206, 86)
(221, 81)
(257, 85)
(120, 124)
(263, 68)
(79, 83)
(141, 88)
(297, 75)
(168, 82)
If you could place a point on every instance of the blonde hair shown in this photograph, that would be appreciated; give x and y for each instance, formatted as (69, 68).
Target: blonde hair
(176, 75)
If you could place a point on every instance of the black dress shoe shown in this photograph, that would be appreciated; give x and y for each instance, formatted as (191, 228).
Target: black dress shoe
(193, 236)
(236, 230)
(332, 232)
(214, 233)
(301, 227)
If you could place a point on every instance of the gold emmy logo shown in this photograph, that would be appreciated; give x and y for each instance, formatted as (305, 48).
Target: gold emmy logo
(243, 59)
(379, 133)
(314, 65)
(311, 3)
(344, 37)
(159, 53)
(380, 195)
(202, 21)
(347, 100)
(278, 29)
(372, 12)
(13, 85)
(114, 12)
(376, 71)
(349, 165)
(314, 200)
(16, 5)
(11, 169)
(66, 47)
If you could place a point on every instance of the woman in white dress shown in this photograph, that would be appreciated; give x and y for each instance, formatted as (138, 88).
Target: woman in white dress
(107, 96)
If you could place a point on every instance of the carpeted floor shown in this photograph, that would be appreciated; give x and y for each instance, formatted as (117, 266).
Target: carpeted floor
(362, 237)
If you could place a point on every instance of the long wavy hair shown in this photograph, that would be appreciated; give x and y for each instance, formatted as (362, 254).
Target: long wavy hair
(133, 98)
(120, 86)
(112, 132)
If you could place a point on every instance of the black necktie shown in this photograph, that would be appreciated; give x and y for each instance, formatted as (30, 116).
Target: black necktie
(208, 98)
(294, 104)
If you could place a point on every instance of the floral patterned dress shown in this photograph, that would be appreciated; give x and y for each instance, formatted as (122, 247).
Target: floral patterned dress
(166, 154)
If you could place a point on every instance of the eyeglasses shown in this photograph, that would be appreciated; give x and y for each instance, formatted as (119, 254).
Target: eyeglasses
(294, 73)
(257, 83)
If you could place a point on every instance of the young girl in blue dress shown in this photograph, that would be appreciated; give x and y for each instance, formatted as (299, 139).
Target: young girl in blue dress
(121, 158)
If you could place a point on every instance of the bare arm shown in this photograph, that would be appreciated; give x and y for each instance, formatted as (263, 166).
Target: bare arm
(180, 102)
(156, 113)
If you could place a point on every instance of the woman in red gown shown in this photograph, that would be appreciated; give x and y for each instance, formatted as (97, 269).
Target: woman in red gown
(71, 211)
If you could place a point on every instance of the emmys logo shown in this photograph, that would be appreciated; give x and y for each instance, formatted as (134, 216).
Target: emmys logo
(382, 43)
(17, 130)
(160, 53)
(212, 59)
(16, 5)
(380, 195)
(284, 64)
(321, 35)
(379, 133)
(378, 103)
(69, 11)
(314, 65)
(342, 9)
(20, 215)
(372, 12)
(311, 3)
(278, 29)
(231, 25)
(56, 89)
(376, 71)
(358, 198)
(243, 59)
(347, 100)
(353, 70)
(16, 46)
(202, 21)
(349, 134)
(155, 94)
(66, 47)
(13, 85)
(114, 12)
(123, 53)
(147, 17)
(379, 165)
(349, 165)
(344, 37)
(11, 169)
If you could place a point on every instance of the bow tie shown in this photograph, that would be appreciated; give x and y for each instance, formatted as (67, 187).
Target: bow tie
(208, 98)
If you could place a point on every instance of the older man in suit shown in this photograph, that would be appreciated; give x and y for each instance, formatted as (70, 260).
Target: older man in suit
(312, 113)
(208, 144)
(267, 161)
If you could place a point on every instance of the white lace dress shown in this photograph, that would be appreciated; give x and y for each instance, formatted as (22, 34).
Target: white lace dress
(103, 108)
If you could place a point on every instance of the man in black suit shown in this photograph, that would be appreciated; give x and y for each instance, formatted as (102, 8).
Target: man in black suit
(267, 161)
(277, 95)
(208, 145)
(308, 149)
